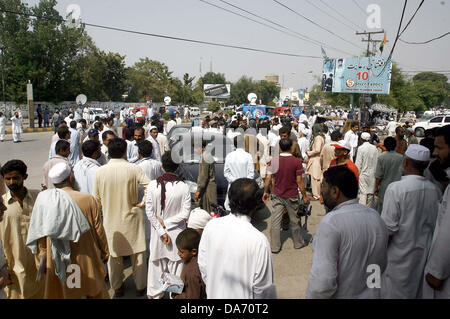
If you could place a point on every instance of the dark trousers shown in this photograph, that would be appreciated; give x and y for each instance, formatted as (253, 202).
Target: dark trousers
(40, 121)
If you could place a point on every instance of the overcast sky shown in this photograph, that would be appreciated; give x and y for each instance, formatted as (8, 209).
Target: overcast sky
(197, 20)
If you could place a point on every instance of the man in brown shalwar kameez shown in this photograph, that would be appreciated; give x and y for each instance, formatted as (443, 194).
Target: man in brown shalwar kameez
(206, 181)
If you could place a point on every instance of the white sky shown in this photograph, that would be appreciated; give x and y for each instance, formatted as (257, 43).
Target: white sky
(197, 20)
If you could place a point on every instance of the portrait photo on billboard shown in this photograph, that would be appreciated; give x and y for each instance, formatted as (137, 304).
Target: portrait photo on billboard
(328, 75)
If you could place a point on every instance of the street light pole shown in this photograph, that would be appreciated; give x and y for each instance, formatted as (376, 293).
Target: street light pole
(3, 81)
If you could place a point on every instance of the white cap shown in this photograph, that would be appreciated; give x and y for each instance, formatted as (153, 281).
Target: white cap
(365, 136)
(342, 144)
(418, 152)
(59, 173)
(198, 219)
(152, 128)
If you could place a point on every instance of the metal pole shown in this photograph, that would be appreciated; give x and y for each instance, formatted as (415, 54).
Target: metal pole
(3, 82)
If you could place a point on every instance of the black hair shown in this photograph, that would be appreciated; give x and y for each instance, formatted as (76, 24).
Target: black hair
(445, 132)
(145, 148)
(129, 133)
(188, 239)
(14, 165)
(90, 147)
(344, 179)
(62, 145)
(245, 196)
(97, 125)
(285, 129)
(428, 142)
(73, 124)
(105, 134)
(390, 143)
(117, 148)
(285, 144)
(168, 164)
(336, 136)
(82, 121)
(62, 131)
(354, 124)
(397, 129)
(139, 128)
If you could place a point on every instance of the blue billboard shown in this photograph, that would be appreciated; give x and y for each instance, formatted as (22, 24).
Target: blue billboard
(255, 111)
(357, 75)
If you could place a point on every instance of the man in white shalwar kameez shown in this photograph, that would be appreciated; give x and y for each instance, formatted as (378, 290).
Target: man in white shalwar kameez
(410, 209)
(168, 206)
(234, 258)
(2, 126)
(132, 148)
(366, 161)
(238, 164)
(350, 238)
(352, 138)
(16, 127)
(85, 169)
(152, 137)
(437, 270)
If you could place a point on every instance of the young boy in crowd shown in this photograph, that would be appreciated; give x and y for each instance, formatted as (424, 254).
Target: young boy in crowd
(187, 243)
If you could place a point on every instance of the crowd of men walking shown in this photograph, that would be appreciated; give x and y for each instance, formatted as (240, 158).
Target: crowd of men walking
(106, 197)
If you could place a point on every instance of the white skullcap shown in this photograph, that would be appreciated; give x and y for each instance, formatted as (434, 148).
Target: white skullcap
(59, 173)
(152, 128)
(365, 136)
(198, 219)
(418, 152)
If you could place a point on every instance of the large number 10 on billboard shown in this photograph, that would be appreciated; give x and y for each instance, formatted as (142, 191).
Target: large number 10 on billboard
(357, 75)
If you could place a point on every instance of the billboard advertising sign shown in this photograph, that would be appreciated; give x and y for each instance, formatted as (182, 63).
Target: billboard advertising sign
(357, 75)
(218, 91)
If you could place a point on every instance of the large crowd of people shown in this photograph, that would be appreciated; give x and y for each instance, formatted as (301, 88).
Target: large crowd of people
(112, 189)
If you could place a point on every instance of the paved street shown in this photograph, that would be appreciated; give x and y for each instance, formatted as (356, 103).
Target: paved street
(291, 267)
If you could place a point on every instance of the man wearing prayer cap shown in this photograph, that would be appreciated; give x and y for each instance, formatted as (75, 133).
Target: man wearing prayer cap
(89, 252)
(409, 211)
(366, 161)
(198, 220)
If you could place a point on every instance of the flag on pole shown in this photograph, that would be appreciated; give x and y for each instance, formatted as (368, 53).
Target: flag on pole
(324, 53)
(383, 43)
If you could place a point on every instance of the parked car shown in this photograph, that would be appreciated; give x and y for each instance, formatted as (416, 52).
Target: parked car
(194, 111)
(437, 121)
(189, 165)
(94, 112)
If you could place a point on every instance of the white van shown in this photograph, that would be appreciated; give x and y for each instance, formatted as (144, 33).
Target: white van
(194, 111)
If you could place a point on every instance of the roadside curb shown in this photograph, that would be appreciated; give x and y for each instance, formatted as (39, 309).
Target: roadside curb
(32, 130)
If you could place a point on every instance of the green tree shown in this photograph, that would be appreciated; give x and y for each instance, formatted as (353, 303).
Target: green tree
(213, 106)
(266, 91)
(213, 78)
(241, 89)
(432, 88)
(148, 80)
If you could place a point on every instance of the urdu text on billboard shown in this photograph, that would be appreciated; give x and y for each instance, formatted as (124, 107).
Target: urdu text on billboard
(218, 91)
(357, 75)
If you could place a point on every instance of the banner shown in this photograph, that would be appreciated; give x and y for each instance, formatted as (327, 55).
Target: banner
(218, 91)
(357, 75)
(255, 111)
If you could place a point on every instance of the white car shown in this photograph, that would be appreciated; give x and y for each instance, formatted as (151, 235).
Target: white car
(194, 111)
(94, 112)
(437, 121)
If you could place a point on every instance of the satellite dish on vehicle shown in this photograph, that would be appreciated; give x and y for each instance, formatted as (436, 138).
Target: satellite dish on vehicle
(81, 99)
(167, 100)
(252, 97)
